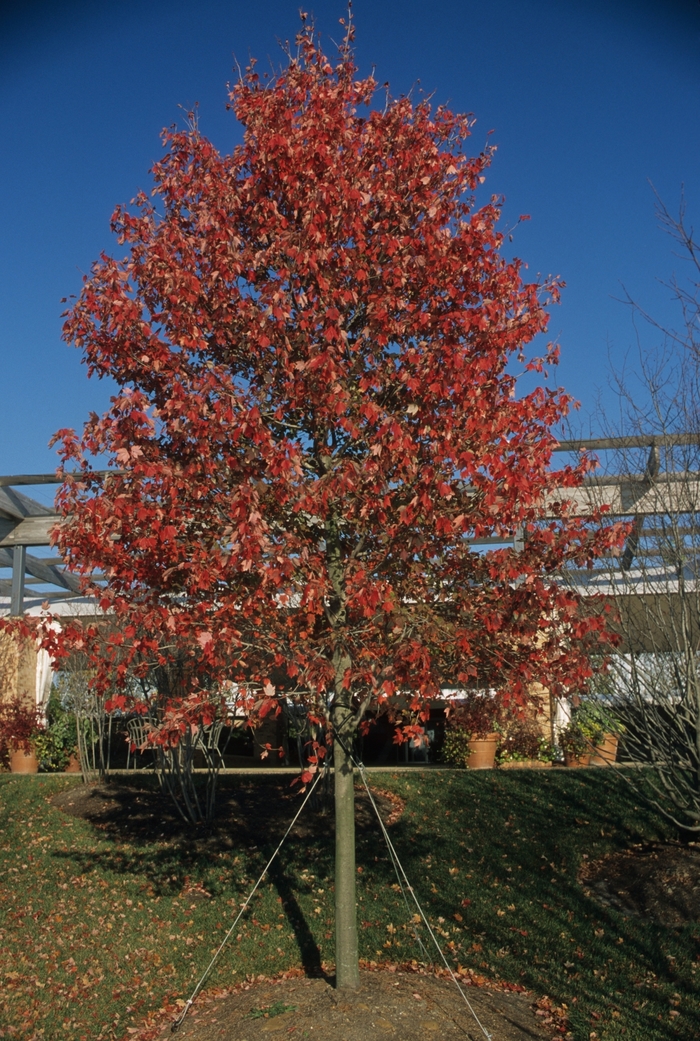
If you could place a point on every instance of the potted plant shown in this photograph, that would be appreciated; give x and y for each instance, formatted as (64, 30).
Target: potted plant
(583, 732)
(605, 751)
(21, 726)
(522, 743)
(472, 731)
(576, 744)
(591, 735)
(608, 729)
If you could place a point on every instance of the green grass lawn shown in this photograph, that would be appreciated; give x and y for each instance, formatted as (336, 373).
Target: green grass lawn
(96, 932)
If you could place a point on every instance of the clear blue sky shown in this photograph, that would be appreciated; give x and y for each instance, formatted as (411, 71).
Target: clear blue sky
(588, 100)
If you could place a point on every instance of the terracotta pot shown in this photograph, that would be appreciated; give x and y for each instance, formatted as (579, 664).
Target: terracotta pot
(525, 764)
(576, 760)
(21, 763)
(73, 766)
(605, 753)
(482, 752)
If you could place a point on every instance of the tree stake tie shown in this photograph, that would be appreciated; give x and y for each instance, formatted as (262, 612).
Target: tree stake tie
(407, 888)
(178, 1022)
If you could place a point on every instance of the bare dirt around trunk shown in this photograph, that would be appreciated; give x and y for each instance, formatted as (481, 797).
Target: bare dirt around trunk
(402, 1005)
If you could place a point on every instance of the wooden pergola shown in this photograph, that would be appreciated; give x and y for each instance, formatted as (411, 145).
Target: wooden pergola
(26, 523)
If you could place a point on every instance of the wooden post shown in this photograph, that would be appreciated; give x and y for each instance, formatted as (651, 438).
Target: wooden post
(17, 669)
(19, 564)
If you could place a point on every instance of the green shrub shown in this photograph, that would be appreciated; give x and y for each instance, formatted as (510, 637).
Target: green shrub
(55, 746)
(455, 748)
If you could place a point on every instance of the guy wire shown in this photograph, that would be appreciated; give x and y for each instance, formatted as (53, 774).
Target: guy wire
(178, 1022)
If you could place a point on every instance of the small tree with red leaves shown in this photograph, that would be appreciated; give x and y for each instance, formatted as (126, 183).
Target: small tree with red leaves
(316, 415)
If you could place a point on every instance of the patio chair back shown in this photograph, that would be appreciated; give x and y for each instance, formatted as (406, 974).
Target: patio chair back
(207, 741)
(138, 730)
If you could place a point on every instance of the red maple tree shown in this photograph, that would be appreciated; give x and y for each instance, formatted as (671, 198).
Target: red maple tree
(315, 418)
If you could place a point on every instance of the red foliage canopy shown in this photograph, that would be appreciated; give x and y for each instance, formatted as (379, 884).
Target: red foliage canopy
(311, 340)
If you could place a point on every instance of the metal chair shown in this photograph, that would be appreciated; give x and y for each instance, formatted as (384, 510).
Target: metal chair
(138, 729)
(207, 742)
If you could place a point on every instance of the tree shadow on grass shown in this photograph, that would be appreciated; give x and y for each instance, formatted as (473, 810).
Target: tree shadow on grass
(308, 948)
(249, 811)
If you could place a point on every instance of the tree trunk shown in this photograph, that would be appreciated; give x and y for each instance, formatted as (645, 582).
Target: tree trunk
(347, 970)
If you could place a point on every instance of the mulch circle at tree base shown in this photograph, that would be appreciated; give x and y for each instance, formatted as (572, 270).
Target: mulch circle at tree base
(410, 1006)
